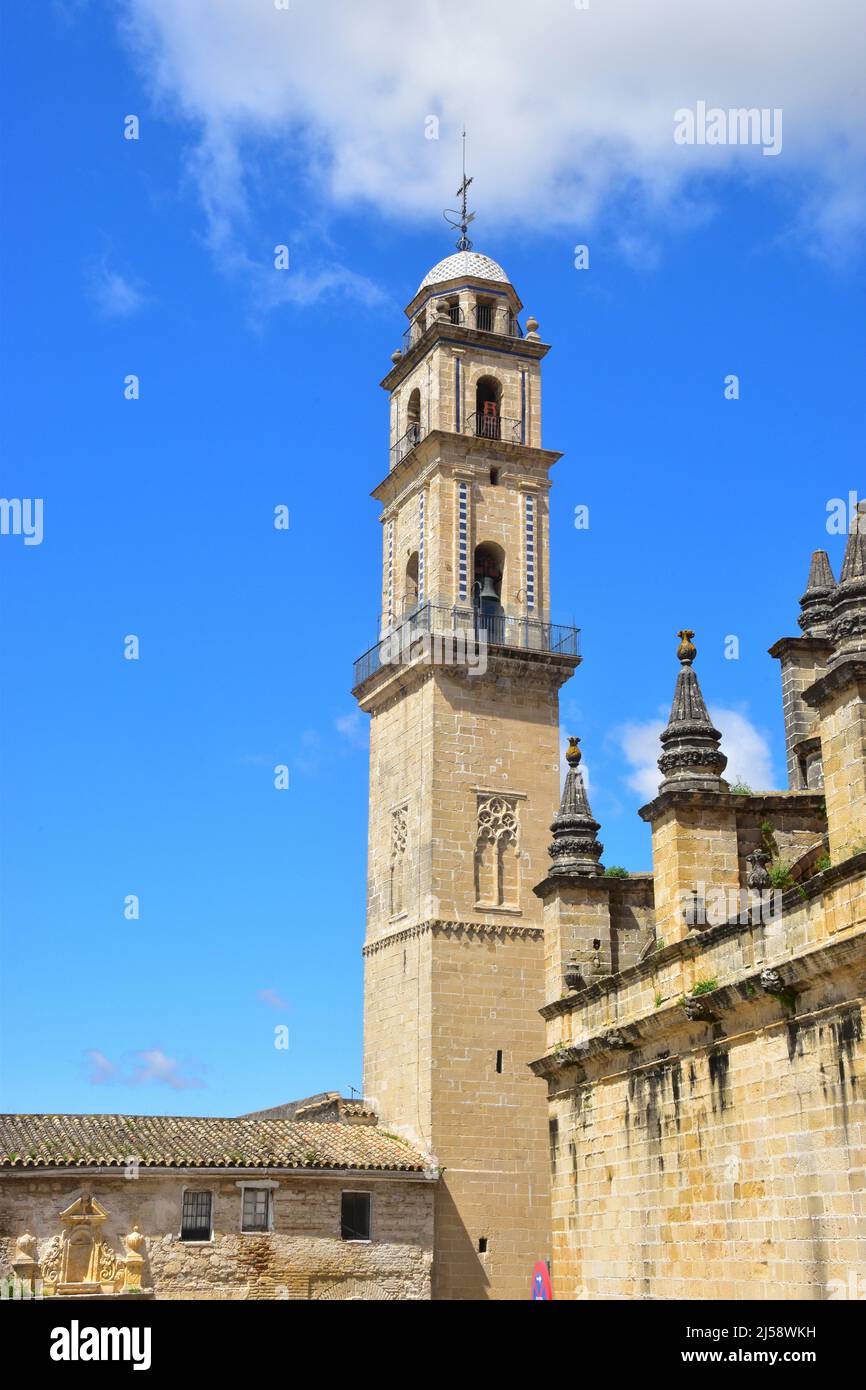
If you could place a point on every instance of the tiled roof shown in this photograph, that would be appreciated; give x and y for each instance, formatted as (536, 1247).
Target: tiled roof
(464, 263)
(327, 1105)
(178, 1141)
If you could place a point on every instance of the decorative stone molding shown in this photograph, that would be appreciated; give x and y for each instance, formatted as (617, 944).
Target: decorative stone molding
(78, 1263)
(477, 931)
(497, 863)
(758, 877)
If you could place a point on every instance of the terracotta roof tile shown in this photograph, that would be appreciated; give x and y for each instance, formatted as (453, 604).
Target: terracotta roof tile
(166, 1141)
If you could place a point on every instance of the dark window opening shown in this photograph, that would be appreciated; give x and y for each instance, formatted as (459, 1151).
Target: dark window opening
(499, 1060)
(195, 1221)
(482, 1245)
(596, 945)
(484, 315)
(494, 476)
(355, 1215)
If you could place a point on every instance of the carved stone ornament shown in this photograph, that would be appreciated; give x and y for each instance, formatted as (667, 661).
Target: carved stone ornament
(758, 877)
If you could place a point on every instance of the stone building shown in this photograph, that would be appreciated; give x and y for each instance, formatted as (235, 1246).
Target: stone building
(99, 1206)
(655, 1081)
(705, 1048)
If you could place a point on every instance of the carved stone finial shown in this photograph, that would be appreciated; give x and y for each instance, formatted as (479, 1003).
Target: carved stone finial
(396, 356)
(815, 605)
(572, 976)
(575, 849)
(847, 625)
(691, 759)
(532, 328)
(135, 1240)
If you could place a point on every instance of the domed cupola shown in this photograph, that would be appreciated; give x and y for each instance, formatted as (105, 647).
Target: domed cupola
(461, 265)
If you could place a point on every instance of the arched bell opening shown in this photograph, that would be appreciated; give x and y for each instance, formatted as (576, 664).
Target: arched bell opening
(410, 585)
(488, 575)
(488, 407)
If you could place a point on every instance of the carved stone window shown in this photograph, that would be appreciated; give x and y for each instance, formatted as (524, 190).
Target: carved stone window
(399, 832)
(497, 862)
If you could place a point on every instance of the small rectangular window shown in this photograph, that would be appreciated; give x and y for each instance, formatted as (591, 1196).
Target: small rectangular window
(482, 1245)
(256, 1210)
(195, 1223)
(355, 1216)
(499, 1060)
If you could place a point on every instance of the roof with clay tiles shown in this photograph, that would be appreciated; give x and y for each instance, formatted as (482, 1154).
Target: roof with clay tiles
(180, 1141)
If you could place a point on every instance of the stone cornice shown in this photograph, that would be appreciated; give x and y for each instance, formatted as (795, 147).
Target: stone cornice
(392, 681)
(695, 944)
(443, 333)
(820, 647)
(732, 801)
(472, 931)
(229, 1174)
(635, 885)
(697, 1034)
(851, 671)
(427, 456)
(782, 980)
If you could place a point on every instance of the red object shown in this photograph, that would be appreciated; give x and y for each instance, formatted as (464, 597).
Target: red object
(541, 1285)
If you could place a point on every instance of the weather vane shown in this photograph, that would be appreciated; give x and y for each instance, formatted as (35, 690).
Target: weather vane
(460, 220)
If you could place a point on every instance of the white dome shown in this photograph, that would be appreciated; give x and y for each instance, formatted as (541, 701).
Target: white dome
(464, 263)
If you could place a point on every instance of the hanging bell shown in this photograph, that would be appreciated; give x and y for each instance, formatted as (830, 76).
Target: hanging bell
(488, 590)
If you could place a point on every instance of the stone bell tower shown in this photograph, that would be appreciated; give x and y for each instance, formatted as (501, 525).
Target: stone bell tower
(462, 690)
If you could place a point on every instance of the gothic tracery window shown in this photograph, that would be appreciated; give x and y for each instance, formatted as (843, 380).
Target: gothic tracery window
(399, 818)
(497, 866)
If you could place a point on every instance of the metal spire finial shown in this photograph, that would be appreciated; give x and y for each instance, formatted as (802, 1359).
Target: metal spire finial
(460, 220)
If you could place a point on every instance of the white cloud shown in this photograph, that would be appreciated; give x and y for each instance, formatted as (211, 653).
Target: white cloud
(640, 744)
(353, 728)
(156, 1066)
(116, 297)
(152, 1065)
(272, 998)
(570, 112)
(744, 745)
(101, 1069)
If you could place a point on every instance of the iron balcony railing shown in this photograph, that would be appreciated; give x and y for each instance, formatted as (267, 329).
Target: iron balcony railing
(495, 427)
(406, 443)
(418, 327)
(486, 318)
(470, 628)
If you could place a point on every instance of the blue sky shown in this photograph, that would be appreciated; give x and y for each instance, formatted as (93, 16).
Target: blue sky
(155, 777)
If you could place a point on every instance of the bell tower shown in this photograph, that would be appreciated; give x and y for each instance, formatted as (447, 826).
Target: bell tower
(462, 691)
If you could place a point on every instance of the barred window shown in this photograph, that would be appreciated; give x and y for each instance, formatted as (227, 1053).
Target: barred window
(355, 1215)
(256, 1209)
(195, 1223)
